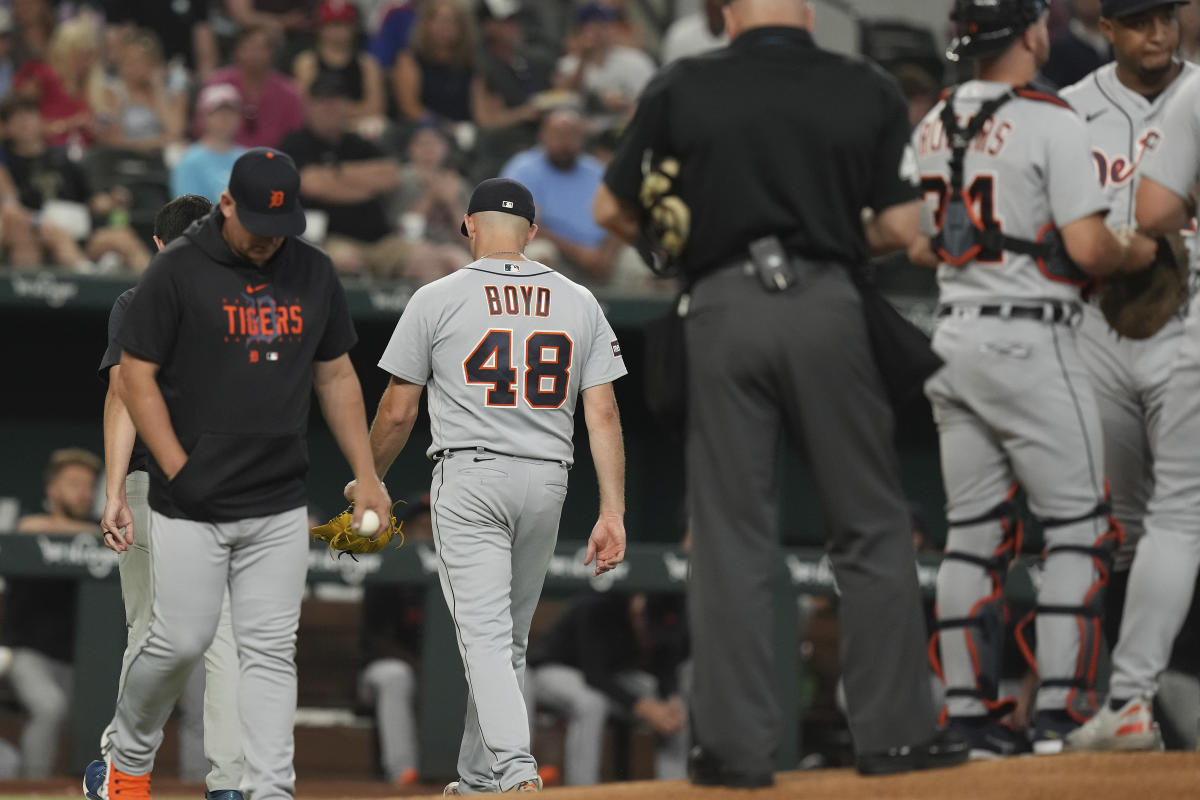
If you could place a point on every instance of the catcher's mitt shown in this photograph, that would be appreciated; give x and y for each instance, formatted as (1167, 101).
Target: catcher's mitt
(1138, 304)
(340, 536)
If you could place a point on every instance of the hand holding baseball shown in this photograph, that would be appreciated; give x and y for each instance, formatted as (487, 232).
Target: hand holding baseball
(371, 507)
(370, 523)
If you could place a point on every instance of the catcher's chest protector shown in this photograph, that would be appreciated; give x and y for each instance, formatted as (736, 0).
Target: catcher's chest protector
(964, 236)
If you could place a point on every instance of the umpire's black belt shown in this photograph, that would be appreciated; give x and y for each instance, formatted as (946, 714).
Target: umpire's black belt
(483, 451)
(1052, 311)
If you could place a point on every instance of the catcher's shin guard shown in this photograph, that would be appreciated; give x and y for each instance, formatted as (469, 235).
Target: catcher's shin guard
(970, 605)
(1076, 538)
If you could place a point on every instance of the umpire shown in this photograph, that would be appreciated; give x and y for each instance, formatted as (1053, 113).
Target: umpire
(775, 169)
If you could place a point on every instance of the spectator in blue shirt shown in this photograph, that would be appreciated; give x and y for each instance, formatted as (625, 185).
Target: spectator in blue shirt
(563, 180)
(205, 166)
(394, 28)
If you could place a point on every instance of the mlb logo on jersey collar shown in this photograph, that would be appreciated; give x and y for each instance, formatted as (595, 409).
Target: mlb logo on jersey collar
(512, 267)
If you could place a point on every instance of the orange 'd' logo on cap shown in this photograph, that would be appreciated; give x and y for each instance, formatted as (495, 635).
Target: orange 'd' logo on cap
(276, 200)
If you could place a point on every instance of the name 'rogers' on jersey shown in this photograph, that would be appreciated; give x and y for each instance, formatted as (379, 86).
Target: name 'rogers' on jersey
(1026, 173)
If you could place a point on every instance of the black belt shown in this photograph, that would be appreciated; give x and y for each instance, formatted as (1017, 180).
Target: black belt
(1053, 312)
(481, 450)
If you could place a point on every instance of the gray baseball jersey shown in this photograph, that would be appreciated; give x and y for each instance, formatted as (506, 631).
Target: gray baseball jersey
(1029, 168)
(1124, 127)
(504, 348)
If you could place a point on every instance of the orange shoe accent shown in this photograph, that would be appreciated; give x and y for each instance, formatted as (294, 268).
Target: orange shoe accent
(127, 787)
(408, 777)
(1131, 710)
(1126, 730)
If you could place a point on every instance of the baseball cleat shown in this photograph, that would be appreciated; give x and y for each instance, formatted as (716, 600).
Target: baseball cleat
(94, 775)
(987, 738)
(1130, 726)
(224, 794)
(1050, 731)
(451, 788)
(103, 781)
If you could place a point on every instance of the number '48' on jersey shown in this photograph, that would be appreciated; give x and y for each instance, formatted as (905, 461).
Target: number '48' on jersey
(504, 354)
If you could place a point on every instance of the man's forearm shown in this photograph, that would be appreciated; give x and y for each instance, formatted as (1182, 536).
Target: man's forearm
(119, 435)
(608, 454)
(617, 216)
(144, 401)
(893, 228)
(388, 438)
(394, 421)
(342, 404)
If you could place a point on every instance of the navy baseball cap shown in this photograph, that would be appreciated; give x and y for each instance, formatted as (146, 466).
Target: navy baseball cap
(1115, 9)
(503, 195)
(265, 184)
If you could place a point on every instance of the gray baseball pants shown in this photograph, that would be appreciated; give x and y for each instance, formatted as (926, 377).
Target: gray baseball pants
(390, 686)
(262, 562)
(222, 726)
(495, 522)
(1015, 404)
(1130, 381)
(1163, 575)
(43, 688)
(565, 691)
(796, 363)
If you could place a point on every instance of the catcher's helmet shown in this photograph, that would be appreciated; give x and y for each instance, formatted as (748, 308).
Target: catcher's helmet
(985, 27)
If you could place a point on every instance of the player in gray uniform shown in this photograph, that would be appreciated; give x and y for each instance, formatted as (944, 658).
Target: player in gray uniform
(506, 346)
(1010, 184)
(1163, 574)
(1122, 103)
(126, 525)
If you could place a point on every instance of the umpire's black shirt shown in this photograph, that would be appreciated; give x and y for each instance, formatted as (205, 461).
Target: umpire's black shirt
(235, 344)
(775, 136)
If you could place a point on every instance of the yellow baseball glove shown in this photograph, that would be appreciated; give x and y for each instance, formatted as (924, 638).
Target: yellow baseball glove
(341, 536)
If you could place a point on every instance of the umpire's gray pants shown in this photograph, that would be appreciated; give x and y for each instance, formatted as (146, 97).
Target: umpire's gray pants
(495, 522)
(221, 729)
(761, 366)
(263, 563)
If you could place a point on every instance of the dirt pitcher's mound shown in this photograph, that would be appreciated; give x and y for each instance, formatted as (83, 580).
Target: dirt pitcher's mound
(1116, 776)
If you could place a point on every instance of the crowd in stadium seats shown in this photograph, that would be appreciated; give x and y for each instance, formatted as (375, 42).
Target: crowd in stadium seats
(394, 108)
(141, 102)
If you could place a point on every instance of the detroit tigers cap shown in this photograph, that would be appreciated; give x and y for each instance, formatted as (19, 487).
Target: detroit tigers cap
(265, 184)
(1115, 9)
(503, 195)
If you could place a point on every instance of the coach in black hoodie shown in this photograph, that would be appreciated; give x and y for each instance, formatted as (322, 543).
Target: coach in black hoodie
(231, 329)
